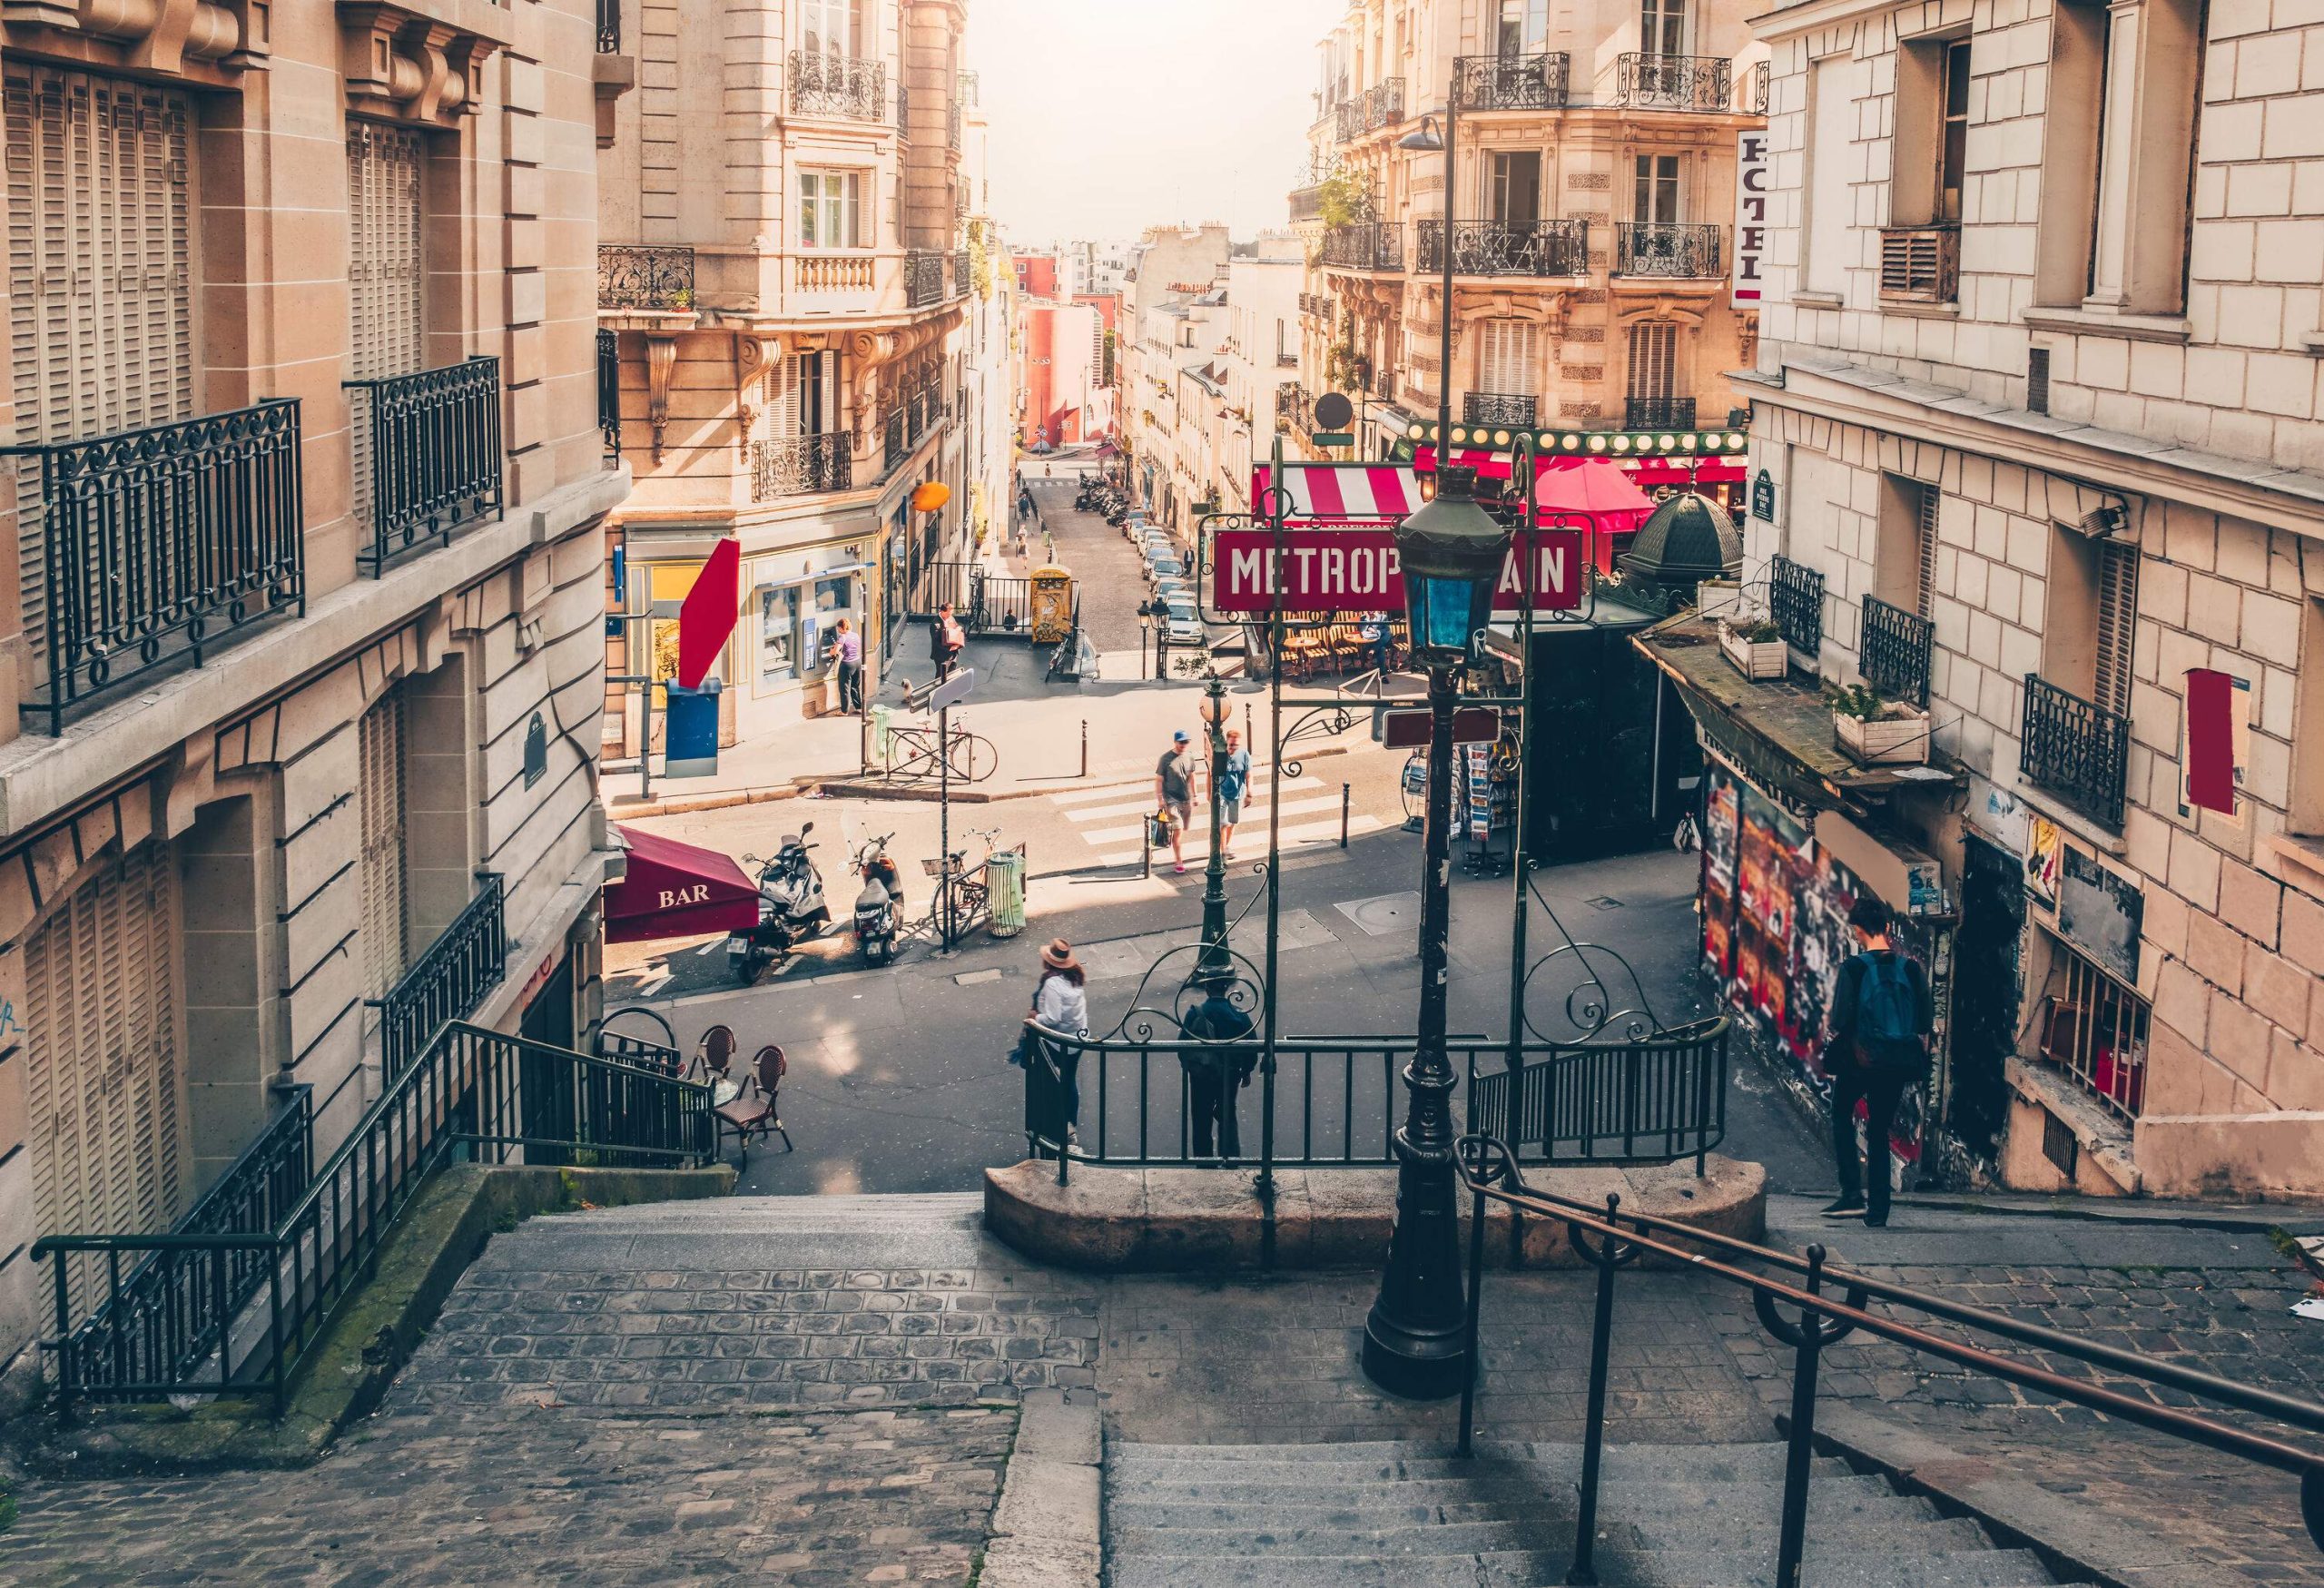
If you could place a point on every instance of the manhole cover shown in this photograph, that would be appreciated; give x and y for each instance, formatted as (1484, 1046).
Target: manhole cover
(1604, 902)
(1388, 912)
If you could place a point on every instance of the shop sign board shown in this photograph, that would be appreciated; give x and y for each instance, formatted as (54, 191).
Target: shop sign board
(1355, 570)
(1763, 496)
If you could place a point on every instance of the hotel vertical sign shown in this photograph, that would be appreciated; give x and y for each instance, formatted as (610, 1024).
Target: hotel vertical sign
(1751, 178)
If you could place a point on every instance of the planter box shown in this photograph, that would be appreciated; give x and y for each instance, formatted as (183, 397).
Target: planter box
(1893, 741)
(1757, 659)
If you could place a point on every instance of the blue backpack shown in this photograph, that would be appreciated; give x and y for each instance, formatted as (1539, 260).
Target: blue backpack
(1887, 1013)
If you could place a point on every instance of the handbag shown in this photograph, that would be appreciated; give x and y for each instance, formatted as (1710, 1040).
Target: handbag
(1157, 830)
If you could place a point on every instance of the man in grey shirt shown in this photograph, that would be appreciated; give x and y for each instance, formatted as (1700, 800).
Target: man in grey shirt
(1173, 793)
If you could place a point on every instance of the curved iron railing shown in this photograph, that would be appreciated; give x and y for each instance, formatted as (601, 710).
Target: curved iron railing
(1683, 250)
(1796, 601)
(1895, 657)
(633, 277)
(1488, 83)
(842, 86)
(1367, 245)
(157, 545)
(434, 458)
(1508, 248)
(467, 960)
(923, 278)
(1516, 410)
(797, 466)
(1610, 1240)
(1699, 83)
(2077, 749)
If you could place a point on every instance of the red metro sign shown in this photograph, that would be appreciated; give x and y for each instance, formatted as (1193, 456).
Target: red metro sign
(1355, 570)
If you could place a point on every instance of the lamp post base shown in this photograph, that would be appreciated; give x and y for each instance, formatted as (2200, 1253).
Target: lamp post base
(1416, 1340)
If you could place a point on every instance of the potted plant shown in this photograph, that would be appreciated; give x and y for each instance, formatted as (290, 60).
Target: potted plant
(1755, 645)
(1876, 732)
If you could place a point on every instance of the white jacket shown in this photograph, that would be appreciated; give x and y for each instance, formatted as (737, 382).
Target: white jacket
(1061, 1006)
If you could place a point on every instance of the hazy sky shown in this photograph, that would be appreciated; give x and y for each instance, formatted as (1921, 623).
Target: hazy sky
(1112, 115)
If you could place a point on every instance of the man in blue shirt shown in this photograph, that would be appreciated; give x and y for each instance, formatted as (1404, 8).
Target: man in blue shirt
(1234, 782)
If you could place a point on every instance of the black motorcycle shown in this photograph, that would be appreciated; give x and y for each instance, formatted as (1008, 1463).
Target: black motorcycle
(880, 907)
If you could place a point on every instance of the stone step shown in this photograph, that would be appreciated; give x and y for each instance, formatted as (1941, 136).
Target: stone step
(1851, 1514)
(1898, 1566)
(1501, 1569)
(781, 1212)
(1906, 1533)
(1631, 1464)
(1828, 1492)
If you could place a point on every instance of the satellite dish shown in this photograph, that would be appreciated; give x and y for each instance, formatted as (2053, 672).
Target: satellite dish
(1333, 412)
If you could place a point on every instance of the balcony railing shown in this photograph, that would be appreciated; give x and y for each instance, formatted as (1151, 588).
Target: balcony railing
(1508, 248)
(923, 278)
(1290, 406)
(1369, 245)
(1897, 645)
(2077, 750)
(824, 84)
(1307, 205)
(1699, 83)
(1383, 104)
(952, 126)
(895, 445)
(903, 113)
(435, 457)
(609, 27)
(1511, 82)
(1383, 383)
(1513, 410)
(1920, 265)
(158, 544)
(963, 268)
(1667, 249)
(1796, 601)
(609, 390)
(653, 279)
(1348, 121)
(799, 466)
(448, 982)
(1658, 413)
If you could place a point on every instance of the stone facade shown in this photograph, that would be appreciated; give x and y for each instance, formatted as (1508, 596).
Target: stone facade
(1174, 324)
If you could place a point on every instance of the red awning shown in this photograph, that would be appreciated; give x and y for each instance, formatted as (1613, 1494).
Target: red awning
(1598, 490)
(676, 889)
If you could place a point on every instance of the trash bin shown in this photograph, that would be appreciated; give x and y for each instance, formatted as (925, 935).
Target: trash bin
(1004, 876)
(883, 744)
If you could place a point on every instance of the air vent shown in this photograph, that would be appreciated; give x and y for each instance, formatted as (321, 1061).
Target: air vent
(2037, 381)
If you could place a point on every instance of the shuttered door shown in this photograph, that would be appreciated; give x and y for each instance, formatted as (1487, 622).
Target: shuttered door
(2118, 602)
(104, 1096)
(1654, 354)
(386, 273)
(380, 798)
(1505, 366)
(100, 273)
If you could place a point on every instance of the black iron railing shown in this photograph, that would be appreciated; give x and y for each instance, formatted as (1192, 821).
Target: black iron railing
(1348, 121)
(475, 1094)
(1383, 104)
(984, 603)
(1499, 408)
(435, 457)
(1482, 82)
(609, 390)
(963, 269)
(923, 278)
(448, 982)
(609, 27)
(1796, 601)
(842, 86)
(952, 124)
(1335, 1099)
(157, 545)
(1368, 245)
(1699, 83)
(1306, 203)
(1508, 248)
(894, 446)
(1828, 1304)
(1658, 413)
(798, 465)
(1290, 406)
(1667, 248)
(1897, 645)
(903, 113)
(2077, 749)
(164, 1316)
(653, 279)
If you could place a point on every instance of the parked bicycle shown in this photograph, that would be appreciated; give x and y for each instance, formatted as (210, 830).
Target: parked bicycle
(914, 756)
(963, 892)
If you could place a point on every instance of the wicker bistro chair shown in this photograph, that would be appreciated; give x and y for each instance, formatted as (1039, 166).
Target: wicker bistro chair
(748, 1107)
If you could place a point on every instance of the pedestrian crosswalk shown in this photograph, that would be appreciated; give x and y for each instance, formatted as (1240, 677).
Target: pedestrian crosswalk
(1110, 815)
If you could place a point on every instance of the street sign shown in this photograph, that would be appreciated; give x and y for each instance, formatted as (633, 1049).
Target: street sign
(953, 690)
(1763, 496)
(1333, 412)
(1333, 438)
(1472, 724)
(1356, 570)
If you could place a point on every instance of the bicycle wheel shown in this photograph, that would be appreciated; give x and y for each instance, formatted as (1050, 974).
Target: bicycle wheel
(973, 758)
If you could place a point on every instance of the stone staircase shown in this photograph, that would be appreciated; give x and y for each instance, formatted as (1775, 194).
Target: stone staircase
(1402, 1515)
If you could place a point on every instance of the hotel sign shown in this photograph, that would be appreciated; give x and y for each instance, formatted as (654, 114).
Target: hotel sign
(1752, 177)
(1355, 570)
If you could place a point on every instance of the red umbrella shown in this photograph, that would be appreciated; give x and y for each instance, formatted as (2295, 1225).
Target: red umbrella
(1595, 489)
(676, 889)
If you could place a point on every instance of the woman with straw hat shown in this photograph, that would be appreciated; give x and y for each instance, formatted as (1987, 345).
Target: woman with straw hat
(1061, 1009)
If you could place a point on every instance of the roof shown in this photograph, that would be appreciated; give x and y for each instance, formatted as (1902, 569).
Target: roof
(1688, 539)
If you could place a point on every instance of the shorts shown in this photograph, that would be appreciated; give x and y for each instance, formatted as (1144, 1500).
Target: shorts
(1230, 810)
(1182, 813)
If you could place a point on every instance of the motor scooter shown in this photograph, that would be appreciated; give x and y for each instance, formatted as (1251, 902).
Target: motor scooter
(880, 907)
(792, 909)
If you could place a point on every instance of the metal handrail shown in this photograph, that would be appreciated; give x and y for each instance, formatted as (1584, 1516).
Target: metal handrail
(449, 979)
(1490, 1171)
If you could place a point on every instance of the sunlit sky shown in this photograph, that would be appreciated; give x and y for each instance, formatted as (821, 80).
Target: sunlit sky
(1112, 115)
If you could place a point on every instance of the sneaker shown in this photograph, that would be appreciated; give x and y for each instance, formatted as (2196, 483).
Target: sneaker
(1876, 1221)
(1846, 1207)
(1182, 868)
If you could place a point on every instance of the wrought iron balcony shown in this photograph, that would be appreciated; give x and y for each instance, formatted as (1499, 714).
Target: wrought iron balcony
(1508, 248)
(1290, 406)
(1482, 82)
(903, 113)
(1368, 245)
(2077, 749)
(1667, 249)
(1307, 204)
(435, 455)
(1796, 601)
(153, 547)
(799, 466)
(1348, 121)
(923, 278)
(952, 124)
(609, 27)
(1658, 413)
(448, 982)
(894, 443)
(1383, 383)
(963, 271)
(653, 279)
(1920, 265)
(609, 390)
(1514, 410)
(1383, 104)
(1895, 657)
(1696, 82)
(823, 84)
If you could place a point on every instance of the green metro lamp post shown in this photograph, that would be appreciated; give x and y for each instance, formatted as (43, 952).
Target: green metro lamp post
(1452, 552)
(1214, 964)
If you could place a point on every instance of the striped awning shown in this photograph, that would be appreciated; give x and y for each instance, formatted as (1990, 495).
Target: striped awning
(1335, 492)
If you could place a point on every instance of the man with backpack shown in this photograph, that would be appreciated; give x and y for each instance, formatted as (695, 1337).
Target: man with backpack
(1215, 1074)
(1234, 783)
(1881, 1017)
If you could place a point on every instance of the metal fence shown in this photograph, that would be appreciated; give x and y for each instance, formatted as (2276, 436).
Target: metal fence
(1508, 248)
(1897, 645)
(983, 603)
(467, 960)
(2077, 749)
(843, 87)
(1796, 601)
(435, 457)
(1488, 83)
(1684, 251)
(652, 279)
(1698, 82)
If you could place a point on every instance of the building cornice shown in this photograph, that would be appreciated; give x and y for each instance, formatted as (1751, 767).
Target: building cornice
(1789, 21)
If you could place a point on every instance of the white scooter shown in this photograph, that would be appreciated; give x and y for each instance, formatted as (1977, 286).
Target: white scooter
(792, 909)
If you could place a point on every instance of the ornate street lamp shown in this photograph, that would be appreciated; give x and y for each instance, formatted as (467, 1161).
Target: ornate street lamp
(1214, 964)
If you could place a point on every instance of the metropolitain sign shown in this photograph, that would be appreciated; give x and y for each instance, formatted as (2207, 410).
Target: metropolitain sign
(1355, 570)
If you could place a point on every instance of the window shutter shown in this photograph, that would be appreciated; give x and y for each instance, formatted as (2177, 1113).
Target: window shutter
(386, 275)
(1654, 352)
(380, 802)
(1506, 358)
(2118, 601)
(1932, 501)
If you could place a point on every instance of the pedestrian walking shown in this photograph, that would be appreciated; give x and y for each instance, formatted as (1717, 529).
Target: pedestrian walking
(1174, 793)
(849, 646)
(1060, 1010)
(1215, 1073)
(945, 639)
(1877, 1052)
(1234, 782)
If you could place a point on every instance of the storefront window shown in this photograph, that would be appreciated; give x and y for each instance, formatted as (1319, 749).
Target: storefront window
(778, 634)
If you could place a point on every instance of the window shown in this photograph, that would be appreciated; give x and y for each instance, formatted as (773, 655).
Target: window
(2087, 628)
(779, 634)
(1655, 195)
(827, 27)
(802, 396)
(1505, 358)
(831, 209)
(1952, 137)
(380, 815)
(1904, 569)
(1524, 27)
(2094, 1029)
(1662, 27)
(1654, 356)
(1515, 193)
(2118, 603)
(1931, 148)
(1833, 92)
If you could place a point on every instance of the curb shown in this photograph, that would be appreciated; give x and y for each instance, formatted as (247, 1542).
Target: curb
(2230, 1220)
(1046, 1526)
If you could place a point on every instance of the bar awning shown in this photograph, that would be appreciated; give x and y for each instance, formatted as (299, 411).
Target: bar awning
(676, 889)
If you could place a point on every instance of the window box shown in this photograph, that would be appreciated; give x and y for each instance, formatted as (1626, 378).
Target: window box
(1757, 659)
(1898, 735)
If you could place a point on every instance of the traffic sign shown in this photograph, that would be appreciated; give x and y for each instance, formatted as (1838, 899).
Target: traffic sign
(1472, 724)
(953, 690)
(1333, 438)
(1333, 412)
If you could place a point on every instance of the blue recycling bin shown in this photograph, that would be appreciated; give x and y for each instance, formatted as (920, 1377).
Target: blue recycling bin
(690, 731)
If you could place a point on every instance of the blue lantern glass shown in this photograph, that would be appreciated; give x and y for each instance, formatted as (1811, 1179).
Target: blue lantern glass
(1452, 552)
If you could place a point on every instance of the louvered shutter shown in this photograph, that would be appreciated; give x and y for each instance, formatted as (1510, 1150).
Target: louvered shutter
(380, 798)
(2118, 601)
(1506, 368)
(100, 274)
(1932, 501)
(1654, 352)
(386, 333)
(107, 1101)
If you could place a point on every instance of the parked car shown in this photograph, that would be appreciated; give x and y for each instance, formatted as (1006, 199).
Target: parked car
(1183, 627)
(1165, 567)
(1170, 587)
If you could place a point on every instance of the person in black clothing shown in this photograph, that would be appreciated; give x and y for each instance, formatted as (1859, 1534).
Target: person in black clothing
(945, 638)
(1878, 1050)
(1215, 1074)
